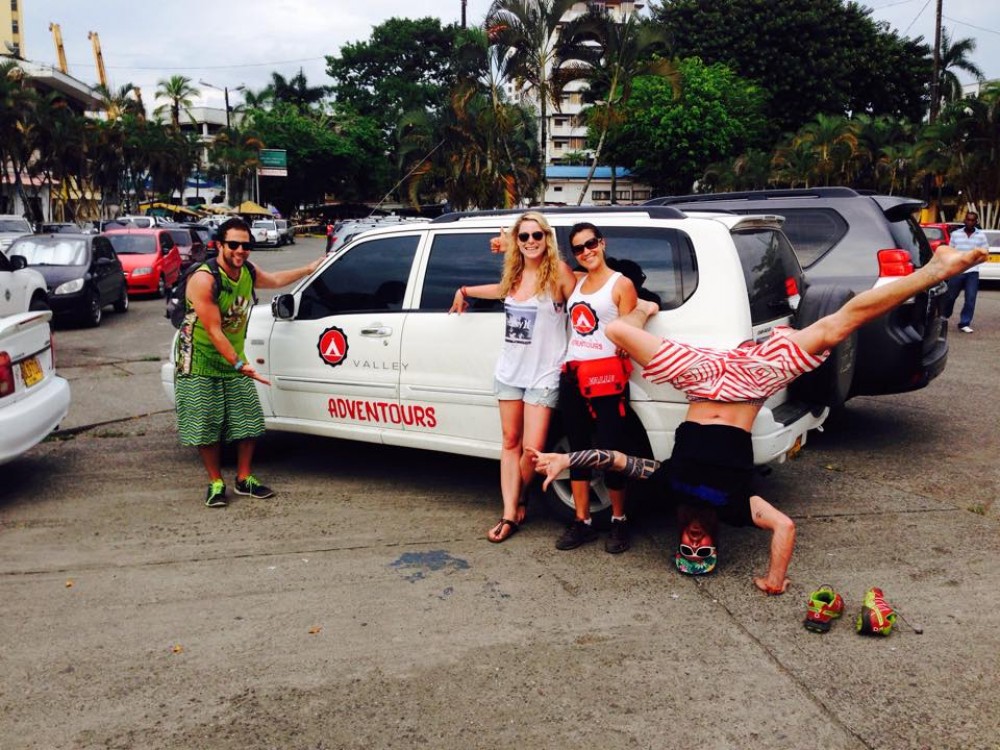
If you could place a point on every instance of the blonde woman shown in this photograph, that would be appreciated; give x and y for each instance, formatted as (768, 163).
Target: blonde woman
(535, 285)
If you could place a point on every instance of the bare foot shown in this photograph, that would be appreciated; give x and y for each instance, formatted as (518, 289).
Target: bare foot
(951, 262)
(767, 588)
(647, 307)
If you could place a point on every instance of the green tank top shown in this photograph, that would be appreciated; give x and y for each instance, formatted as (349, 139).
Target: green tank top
(196, 355)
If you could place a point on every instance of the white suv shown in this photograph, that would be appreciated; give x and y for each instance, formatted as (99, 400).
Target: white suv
(21, 288)
(265, 232)
(12, 227)
(364, 349)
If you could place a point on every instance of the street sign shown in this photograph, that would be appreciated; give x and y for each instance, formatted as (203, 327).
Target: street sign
(273, 162)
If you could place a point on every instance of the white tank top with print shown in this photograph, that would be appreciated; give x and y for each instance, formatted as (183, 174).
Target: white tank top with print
(589, 315)
(534, 342)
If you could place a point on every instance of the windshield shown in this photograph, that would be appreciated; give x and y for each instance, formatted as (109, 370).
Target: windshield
(263, 225)
(46, 252)
(133, 244)
(15, 225)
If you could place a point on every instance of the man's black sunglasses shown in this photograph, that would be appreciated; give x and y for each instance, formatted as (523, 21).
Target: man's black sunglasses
(236, 244)
(588, 245)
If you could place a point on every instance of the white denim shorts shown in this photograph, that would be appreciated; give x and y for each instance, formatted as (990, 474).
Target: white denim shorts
(536, 396)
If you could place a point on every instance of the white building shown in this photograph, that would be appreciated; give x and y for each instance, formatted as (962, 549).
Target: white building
(565, 183)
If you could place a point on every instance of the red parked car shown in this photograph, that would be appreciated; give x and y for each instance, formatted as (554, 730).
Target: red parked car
(150, 258)
(940, 233)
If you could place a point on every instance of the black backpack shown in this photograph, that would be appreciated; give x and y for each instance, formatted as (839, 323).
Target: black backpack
(176, 297)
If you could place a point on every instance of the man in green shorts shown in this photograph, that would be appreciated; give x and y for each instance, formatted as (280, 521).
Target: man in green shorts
(213, 383)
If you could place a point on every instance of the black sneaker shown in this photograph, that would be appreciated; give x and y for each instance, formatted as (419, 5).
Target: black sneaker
(576, 533)
(618, 540)
(252, 487)
(216, 495)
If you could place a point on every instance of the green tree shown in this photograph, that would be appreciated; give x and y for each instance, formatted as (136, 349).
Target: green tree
(811, 56)
(610, 54)
(405, 65)
(670, 140)
(295, 91)
(526, 33)
(833, 140)
(955, 55)
(177, 92)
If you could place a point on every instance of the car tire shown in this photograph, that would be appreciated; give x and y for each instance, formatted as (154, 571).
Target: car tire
(121, 304)
(161, 287)
(94, 310)
(558, 498)
(829, 384)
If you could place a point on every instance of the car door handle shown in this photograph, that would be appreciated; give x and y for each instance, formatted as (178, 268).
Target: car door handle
(377, 330)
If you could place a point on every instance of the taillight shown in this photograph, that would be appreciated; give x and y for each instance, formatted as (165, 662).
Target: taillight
(791, 287)
(894, 262)
(6, 375)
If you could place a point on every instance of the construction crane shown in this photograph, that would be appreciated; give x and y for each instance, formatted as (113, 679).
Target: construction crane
(60, 51)
(99, 58)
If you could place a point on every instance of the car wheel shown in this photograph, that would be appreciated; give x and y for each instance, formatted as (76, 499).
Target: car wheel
(94, 310)
(121, 305)
(830, 383)
(38, 304)
(161, 287)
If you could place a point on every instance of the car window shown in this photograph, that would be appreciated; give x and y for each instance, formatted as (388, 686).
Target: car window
(15, 225)
(933, 233)
(460, 260)
(660, 262)
(102, 249)
(993, 237)
(908, 235)
(133, 244)
(166, 241)
(4, 263)
(51, 252)
(181, 236)
(370, 276)
(768, 262)
(812, 231)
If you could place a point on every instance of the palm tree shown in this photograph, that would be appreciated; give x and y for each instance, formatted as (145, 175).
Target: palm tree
(178, 92)
(610, 54)
(17, 117)
(955, 56)
(121, 101)
(526, 33)
(832, 138)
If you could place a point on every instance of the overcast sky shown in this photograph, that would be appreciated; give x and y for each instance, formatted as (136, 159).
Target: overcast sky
(240, 42)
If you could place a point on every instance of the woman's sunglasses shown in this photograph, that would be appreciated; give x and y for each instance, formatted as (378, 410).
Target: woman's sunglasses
(701, 552)
(236, 245)
(536, 236)
(590, 244)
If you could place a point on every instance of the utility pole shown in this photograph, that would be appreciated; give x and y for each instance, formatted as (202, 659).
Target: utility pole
(936, 70)
(464, 3)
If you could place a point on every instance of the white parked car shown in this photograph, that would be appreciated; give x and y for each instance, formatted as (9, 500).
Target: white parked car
(364, 349)
(12, 227)
(21, 288)
(265, 233)
(990, 270)
(285, 234)
(33, 399)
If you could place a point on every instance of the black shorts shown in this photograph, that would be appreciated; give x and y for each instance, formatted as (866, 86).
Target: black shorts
(711, 467)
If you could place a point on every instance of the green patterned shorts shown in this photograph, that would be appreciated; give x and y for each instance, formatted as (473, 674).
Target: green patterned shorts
(212, 410)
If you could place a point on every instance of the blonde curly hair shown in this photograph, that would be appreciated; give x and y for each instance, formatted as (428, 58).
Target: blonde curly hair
(513, 263)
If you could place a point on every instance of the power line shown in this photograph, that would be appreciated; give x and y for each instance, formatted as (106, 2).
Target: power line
(161, 68)
(916, 17)
(972, 25)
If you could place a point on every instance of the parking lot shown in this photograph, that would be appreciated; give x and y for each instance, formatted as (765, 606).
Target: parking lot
(364, 608)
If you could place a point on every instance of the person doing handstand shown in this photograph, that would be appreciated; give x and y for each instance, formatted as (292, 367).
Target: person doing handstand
(710, 469)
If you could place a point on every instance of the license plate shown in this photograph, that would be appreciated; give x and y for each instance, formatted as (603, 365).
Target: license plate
(31, 371)
(994, 258)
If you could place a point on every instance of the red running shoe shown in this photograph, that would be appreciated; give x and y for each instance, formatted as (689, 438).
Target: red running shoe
(825, 605)
(877, 617)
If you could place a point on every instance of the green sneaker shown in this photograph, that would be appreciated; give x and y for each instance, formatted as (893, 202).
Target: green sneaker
(251, 486)
(216, 495)
(877, 617)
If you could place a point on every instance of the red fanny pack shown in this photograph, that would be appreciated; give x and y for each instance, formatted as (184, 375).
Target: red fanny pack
(607, 376)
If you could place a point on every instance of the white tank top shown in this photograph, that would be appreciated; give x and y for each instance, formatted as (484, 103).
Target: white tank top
(534, 342)
(589, 315)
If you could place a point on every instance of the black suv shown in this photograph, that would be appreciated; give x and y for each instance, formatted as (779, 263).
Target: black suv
(855, 240)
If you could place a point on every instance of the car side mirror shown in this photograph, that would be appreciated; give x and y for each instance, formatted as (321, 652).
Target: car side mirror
(17, 262)
(104, 261)
(283, 306)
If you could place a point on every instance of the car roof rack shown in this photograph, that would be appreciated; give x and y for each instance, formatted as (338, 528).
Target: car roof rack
(819, 192)
(653, 211)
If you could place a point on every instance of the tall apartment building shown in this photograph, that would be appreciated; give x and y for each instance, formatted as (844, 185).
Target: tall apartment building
(567, 129)
(11, 25)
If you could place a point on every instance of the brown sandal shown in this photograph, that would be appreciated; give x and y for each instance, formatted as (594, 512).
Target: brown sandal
(499, 528)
